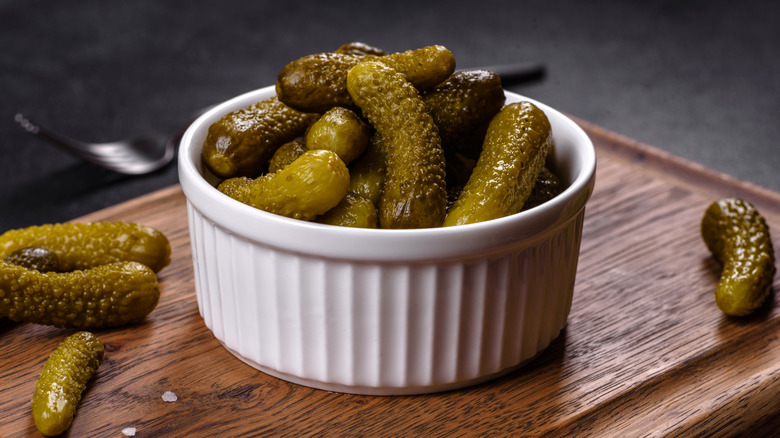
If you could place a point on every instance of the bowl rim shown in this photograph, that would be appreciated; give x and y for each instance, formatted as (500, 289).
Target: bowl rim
(384, 245)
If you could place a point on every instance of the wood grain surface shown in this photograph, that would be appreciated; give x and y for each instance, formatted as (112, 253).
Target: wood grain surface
(646, 351)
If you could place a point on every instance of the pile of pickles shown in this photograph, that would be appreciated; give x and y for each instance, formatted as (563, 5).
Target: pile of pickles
(364, 138)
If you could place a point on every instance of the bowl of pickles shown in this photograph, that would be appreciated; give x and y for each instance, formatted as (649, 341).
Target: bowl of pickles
(379, 223)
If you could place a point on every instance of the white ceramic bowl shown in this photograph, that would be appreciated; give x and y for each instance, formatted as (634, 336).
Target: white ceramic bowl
(385, 311)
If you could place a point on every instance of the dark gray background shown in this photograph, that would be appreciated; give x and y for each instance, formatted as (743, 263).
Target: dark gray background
(700, 79)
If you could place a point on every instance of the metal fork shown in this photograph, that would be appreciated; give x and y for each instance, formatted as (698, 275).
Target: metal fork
(135, 156)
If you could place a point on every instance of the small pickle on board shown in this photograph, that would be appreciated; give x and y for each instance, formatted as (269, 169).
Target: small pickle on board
(33, 257)
(109, 295)
(318, 82)
(86, 245)
(63, 380)
(513, 154)
(304, 189)
(738, 237)
(242, 142)
(414, 191)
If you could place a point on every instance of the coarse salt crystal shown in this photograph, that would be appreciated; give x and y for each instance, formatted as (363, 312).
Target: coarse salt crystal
(169, 396)
(128, 431)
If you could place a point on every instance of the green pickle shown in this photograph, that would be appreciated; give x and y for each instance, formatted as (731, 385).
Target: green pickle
(304, 189)
(462, 107)
(513, 154)
(414, 190)
(353, 211)
(286, 154)
(86, 245)
(339, 130)
(32, 257)
(108, 295)
(367, 173)
(242, 142)
(548, 185)
(359, 48)
(63, 380)
(738, 238)
(318, 82)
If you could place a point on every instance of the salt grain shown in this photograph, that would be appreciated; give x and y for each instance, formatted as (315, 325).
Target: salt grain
(128, 431)
(169, 396)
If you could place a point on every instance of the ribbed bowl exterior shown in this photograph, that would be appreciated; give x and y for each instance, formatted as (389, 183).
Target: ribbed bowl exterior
(378, 328)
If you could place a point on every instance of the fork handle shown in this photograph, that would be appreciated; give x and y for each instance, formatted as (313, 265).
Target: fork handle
(69, 144)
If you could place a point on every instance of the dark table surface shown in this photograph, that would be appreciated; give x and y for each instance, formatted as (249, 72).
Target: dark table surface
(700, 79)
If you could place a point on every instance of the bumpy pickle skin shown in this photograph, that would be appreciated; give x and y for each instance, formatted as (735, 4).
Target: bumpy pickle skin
(738, 238)
(462, 106)
(513, 154)
(414, 194)
(353, 211)
(304, 189)
(339, 130)
(318, 82)
(286, 154)
(367, 173)
(359, 48)
(109, 295)
(63, 380)
(548, 185)
(242, 142)
(33, 257)
(85, 245)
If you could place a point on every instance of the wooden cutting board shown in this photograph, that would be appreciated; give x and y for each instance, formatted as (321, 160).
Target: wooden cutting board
(646, 351)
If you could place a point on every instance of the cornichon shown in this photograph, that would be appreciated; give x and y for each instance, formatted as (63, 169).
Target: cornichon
(62, 381)
(339, 130)
(367, 174)
(286, 154)
(738, 237)
(414, 190)
(353, 211)
(513, 154)
(359, 48)
(242, 142)
(462, 106)
(32, 257)
(304, 189)
(108, 295)
(85, 245)
(318, 82)
(548, 185)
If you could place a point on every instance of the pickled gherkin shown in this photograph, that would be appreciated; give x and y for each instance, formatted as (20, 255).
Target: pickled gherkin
(339, 130)
(304, 189)
(286, 154)
(32, 257)
(548, 185)
(62, 381)
(359, 48)
(242, 142)
(513, 154)
(462, 107)
(85, 245)
(318, 82)
(414, 190)
(738, 237)
(367, 173)
(353, 211)
(108, 295)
